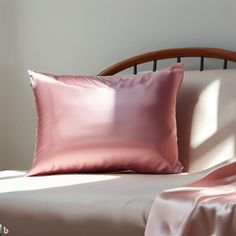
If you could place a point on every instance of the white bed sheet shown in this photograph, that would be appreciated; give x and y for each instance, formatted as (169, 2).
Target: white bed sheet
(81, 204)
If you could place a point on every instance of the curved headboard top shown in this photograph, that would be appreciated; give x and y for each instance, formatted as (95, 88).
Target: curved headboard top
(178, 53)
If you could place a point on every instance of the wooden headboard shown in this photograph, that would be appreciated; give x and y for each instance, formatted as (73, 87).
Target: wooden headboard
(177, 53)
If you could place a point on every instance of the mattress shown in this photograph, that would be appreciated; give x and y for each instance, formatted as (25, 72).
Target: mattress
(81, 204)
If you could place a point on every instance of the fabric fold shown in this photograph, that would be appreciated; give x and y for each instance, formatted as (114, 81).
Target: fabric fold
(205, 207)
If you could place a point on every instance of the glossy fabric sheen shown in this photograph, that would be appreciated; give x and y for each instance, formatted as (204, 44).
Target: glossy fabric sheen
(206, 207)
(95, 124)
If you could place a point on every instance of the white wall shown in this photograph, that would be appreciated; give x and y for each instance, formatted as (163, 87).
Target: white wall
(86, 36)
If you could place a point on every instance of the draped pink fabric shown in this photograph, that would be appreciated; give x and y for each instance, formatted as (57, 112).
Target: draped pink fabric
(205, 207)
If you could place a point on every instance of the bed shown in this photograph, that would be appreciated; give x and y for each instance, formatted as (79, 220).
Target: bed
(119, 203)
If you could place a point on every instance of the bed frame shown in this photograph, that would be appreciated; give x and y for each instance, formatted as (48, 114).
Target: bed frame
(177, 53)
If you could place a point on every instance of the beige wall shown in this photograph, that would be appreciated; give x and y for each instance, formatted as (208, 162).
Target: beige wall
(2, 42)
(84, 37)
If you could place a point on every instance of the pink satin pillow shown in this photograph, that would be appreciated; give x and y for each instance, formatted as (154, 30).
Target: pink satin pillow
(101, 124)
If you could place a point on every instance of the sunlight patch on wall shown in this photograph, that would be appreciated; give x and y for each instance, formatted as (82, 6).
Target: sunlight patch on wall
(205, 114)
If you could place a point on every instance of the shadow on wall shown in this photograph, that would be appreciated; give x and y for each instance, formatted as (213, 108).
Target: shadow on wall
(206, 119)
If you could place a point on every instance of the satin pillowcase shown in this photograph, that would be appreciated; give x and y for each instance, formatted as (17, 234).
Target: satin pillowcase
(103, 124)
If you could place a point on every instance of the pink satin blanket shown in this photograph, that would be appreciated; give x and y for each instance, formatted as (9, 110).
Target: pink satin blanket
(205, 207)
